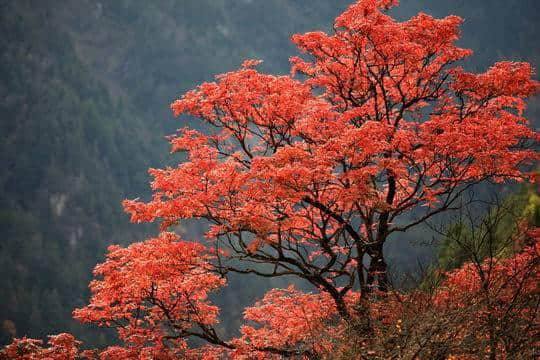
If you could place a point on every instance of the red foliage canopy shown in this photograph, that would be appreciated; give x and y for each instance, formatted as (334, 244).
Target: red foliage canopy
(312, 173)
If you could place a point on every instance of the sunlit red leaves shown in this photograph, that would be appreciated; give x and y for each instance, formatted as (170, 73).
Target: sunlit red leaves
(506, 78)
(289, 318)
(60, 347)
(498, 279)
(378, 77)
(152, 288)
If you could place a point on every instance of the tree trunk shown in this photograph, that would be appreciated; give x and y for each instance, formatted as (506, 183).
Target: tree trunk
(377, 272)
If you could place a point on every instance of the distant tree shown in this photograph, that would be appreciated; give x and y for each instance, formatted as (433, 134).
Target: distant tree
(308, 176)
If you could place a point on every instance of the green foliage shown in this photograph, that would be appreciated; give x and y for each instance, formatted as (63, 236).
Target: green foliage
(498, 233)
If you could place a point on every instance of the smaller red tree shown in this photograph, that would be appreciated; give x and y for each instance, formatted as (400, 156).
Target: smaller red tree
(155, 293)
(61, 347)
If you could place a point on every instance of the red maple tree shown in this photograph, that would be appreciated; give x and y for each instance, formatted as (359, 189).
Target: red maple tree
(308, 175)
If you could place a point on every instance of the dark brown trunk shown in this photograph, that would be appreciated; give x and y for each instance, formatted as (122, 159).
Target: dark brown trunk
(377, 273)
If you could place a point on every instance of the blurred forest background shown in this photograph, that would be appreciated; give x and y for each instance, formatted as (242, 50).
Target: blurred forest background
(85, 88)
